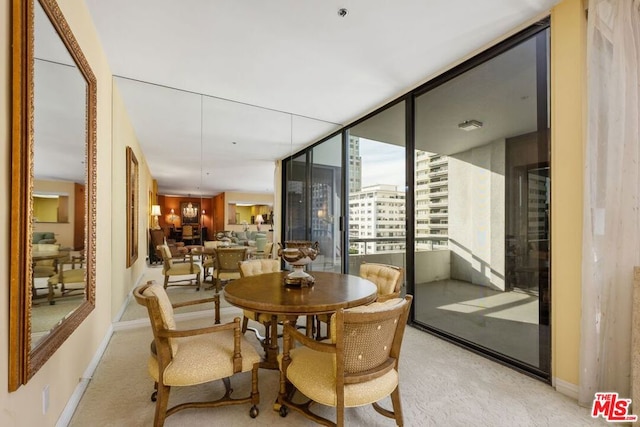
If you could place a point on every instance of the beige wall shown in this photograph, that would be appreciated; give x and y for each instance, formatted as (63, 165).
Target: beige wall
(62, 230)
(123, 278)
(67, 366)
(567, 158)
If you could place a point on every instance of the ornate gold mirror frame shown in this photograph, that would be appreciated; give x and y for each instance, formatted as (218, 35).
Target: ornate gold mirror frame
(24, 361)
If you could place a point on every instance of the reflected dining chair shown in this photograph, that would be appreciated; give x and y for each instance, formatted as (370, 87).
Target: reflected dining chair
(171, 267)
(71, 278)
(190, 234)
(388, 279)
(227, 260)
(209, 259)
(186, 357)
(357, 367)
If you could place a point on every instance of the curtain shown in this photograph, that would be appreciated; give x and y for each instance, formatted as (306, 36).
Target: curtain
(611, 232)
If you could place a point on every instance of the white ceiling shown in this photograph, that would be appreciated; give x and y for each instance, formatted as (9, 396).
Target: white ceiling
(274, 76)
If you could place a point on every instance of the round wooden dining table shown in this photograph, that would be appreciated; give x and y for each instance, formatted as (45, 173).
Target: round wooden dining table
(267, 293)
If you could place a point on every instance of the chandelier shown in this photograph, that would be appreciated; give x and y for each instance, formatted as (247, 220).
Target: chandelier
(189, 211)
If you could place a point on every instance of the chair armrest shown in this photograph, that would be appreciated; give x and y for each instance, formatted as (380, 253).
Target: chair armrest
(178, 333)
(195, 302)
(313, 344)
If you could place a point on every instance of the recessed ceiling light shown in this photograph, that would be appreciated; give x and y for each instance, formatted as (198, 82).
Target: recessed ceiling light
(469, 125)
(234, 142)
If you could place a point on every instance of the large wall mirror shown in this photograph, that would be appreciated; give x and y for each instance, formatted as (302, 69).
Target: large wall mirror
(52, 288)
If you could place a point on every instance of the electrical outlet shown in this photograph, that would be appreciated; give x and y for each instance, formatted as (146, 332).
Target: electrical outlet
(45, 399)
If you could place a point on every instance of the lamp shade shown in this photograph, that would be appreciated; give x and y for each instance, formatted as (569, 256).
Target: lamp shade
(259, 219)
(155, 210)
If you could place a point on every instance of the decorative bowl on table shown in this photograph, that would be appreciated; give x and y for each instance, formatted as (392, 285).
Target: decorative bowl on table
(298, 253)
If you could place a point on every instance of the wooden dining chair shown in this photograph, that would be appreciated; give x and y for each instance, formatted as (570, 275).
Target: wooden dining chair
(187, 357)
(387, 278)
(359, 366)
(209, 259)
(172, 268)
(227, 260)
(256, 267)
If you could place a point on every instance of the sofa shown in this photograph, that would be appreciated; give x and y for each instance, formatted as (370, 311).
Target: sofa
(43, 237)
(243, 238)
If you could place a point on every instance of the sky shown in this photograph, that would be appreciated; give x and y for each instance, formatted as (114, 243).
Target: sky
(382, 163)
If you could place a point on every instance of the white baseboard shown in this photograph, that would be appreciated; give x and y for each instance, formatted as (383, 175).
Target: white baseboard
(566, 388)
(74, 400)
(128, 299)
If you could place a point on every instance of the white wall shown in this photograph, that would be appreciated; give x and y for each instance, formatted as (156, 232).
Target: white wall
(477, 215)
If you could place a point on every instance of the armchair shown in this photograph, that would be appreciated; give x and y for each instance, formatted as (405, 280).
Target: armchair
(71, 276)
(227, 268)
(209, 259)
(388, 279)
(359, 366)
(181, 358)
(252, 268)
(172, 268)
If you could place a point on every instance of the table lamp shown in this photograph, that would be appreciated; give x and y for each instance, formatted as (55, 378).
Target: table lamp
(155, 212)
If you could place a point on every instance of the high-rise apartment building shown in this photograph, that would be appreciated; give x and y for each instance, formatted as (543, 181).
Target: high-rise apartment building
(355, 165)
(377, 219)
(432, 201)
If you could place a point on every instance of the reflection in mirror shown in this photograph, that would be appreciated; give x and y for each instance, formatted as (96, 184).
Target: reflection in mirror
(59, 153)
(245, 214)
(50, 207)
(201, 131)
(53, 186)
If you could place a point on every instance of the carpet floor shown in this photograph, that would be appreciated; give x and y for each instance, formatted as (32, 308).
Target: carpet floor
(441, 385)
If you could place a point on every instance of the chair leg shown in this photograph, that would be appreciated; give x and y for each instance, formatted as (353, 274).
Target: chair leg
(198, 281)
(245, 324)
(166, 281)
(397, 406)
(255, 393)
(217, 309)
(161, 405)
(340, 415)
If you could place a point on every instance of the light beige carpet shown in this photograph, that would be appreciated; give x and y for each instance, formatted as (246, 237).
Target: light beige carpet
(441, 385)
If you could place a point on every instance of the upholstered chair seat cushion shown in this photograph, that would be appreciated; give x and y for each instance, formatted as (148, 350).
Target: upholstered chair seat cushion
(205, 358)
(69, 276)
(228, 275)
(259, 317)
(314, 374)
(178, 269)
(43, 270)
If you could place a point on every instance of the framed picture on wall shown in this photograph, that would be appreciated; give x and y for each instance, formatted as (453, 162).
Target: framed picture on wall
(190, 213)
(132, 207)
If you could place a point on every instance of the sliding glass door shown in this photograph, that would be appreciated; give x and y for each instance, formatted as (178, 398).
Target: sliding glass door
(481, 191)
(452, 183)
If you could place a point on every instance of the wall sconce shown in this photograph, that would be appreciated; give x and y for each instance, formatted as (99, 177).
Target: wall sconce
(155, 212)
(259, 220)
